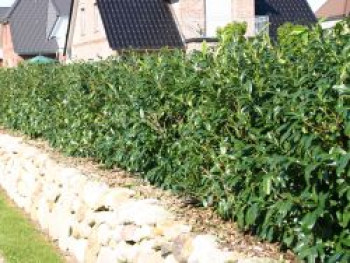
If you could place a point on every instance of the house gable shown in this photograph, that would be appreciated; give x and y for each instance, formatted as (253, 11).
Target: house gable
(28, 20)
(334, 9)
(86, 38)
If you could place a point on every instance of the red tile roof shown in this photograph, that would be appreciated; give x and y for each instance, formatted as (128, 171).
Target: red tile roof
(334, 9)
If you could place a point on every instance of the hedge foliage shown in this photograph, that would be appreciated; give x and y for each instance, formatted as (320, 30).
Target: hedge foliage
(259, 131)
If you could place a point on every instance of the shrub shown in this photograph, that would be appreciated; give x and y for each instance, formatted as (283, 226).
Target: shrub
(260, 132)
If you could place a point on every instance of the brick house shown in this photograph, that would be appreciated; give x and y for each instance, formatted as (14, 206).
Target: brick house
(333, 11)
(86, 37)
(100, 28)
(120, 24)
(32, 28)
(3, 12)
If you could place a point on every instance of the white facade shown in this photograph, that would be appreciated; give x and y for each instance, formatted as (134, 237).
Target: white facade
(217, 15)
(329, 24)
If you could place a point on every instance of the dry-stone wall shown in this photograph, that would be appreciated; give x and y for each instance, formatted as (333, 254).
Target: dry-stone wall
(95, 223)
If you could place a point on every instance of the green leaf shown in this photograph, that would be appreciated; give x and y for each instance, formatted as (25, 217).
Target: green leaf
(342, 89)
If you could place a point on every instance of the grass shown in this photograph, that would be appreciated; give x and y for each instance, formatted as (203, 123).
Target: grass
(20, 241)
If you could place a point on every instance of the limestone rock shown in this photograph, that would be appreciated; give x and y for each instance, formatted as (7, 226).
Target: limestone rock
(126, 252)
(92, 193)
(93, 247)
(103, 234)
(78, 249)
(148, 256)
(132, 233)
(170, 259)
(107, 255)
(114, 198)
(205, 251)
(170, 229)
(182, 248)
(141, 212)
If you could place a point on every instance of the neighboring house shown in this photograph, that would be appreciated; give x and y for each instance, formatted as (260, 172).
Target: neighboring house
(149, 24)
(282, 11)
(153, 24)
(99, 29)
(3, 12)
(34, 27)
(333, 11)
(199, 20)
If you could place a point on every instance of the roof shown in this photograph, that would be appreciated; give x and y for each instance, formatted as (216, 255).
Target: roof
(63, 6)
(30, 22)
(139, 24)
(283, 11)
(334, 9)
(3, 12)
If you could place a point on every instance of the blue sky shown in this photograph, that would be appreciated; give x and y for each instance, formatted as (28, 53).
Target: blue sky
(315, 4)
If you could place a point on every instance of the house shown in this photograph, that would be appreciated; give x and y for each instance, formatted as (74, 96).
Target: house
(100, 28)
(199, 20)
(282, 11)
(333, 11)
(32, 28)
(116, 25)
(86, 37)
(3, 12)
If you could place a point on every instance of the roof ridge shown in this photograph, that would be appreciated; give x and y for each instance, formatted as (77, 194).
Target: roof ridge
(10, 12)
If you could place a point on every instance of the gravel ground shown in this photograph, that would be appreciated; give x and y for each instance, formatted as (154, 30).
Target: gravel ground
(202, 219)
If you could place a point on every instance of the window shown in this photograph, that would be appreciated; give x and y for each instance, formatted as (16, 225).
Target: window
(82, 21)
(96, 18)
(217, 15)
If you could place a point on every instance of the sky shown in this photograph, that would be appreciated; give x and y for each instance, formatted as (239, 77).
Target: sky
(315, 4)
(6, 2)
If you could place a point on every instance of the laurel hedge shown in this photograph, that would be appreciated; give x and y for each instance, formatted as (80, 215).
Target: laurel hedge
(260, 131)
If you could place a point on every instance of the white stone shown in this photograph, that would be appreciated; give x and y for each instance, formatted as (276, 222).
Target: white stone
(125, 252)
(170, 259)
(64, 243)
(205, 250)
(148, 256)
(117, 234)
(108, 217)
(107, 255)
(170, 229)
(43, 213)
(142, 232)
(78, 249)
(60, 222)
(114, 198)
(141, 212)
(103, 234)
(92, 193)
(82, 230)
